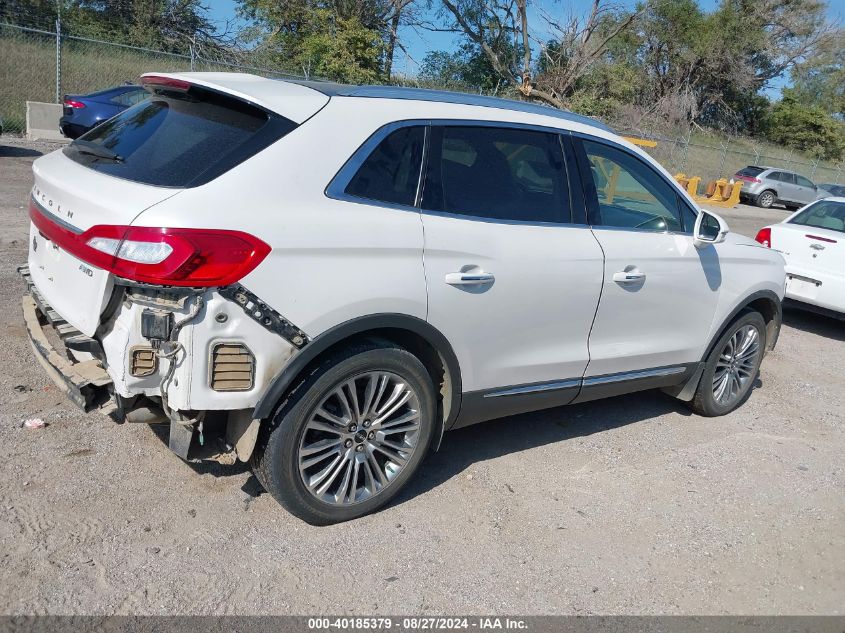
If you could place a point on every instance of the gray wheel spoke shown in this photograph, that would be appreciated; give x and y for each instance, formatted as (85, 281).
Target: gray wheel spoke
(323, 413)
(401, 420)
(404, 394)
(721, 386)
(320, 477)
(394, 455)
(316, 425)
(360, 436)
(736, 365)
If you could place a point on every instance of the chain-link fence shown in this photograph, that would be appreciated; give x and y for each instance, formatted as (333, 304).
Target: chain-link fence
(38, 65)
(41, 65)
(725, 156)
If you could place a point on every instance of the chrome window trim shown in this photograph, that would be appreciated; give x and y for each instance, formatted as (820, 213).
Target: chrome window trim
(536, 388)
(633, 375)
(336, 189)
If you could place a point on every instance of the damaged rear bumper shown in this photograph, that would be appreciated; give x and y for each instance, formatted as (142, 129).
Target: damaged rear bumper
(85, 383)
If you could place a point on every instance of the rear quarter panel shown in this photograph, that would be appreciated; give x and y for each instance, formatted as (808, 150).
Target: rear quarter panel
(331, 260)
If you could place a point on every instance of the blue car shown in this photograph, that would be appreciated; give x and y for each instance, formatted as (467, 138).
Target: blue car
(83, 112)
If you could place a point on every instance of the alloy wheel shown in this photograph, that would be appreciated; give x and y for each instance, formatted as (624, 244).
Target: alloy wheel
(736, 365)
(359, 438)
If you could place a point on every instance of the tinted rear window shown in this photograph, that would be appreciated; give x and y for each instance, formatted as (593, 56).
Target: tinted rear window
(750, 171)
(179, 139)
(497, 173)
(391, 173)
(825, 214)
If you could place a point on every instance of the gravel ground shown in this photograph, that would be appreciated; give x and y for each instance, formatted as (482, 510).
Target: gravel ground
(626, 506)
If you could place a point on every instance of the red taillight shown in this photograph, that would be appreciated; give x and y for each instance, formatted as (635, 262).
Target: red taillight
(748, 179)
(165, 82)
(73, 103)
(165, 256)
(764, 236)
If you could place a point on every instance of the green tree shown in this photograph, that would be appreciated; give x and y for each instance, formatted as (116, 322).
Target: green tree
(467, 68)
(805, 127)
(820, 79)
(339, 49)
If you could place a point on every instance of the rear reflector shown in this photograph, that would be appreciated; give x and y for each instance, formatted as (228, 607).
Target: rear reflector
(821, 239)
(764, 236)
(159, 255)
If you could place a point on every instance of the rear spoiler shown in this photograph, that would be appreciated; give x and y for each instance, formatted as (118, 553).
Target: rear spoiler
(293, 101)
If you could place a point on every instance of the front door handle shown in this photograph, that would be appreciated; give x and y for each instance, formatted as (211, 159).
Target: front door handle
(469, 279)
(628, 276)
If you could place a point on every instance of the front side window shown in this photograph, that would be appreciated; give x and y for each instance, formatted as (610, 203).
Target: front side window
(826, 214)
(497, 173)
(630, 193)
(804, 182)
(391, 172)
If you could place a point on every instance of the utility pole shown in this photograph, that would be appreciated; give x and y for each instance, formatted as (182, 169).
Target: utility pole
(58, 51)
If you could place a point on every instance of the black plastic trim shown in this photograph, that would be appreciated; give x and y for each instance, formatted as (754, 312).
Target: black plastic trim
(264, 315)
(480, 406)
(319, 344)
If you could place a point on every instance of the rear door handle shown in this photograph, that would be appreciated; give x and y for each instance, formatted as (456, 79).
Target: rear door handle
(469, 279)
(628, 276)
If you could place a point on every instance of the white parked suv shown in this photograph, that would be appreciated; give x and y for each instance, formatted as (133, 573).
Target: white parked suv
(322, 279)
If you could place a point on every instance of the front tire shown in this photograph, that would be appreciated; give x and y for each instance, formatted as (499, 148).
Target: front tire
(731, 367)
(349, 435)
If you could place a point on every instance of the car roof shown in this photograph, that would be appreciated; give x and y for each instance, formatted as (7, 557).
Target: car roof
(299, 99)
(446, 96)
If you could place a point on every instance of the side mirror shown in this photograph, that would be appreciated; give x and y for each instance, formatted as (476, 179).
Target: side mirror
(709, 229)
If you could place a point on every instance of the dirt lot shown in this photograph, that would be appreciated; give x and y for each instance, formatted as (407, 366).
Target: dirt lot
(629, 505)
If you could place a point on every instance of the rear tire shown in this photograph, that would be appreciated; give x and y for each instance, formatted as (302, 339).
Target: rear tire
(731, 367)
(349, 435)
(766, 199)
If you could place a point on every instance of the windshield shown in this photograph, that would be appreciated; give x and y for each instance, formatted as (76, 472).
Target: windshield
(825, 214)
(178, 139)
(751, 170)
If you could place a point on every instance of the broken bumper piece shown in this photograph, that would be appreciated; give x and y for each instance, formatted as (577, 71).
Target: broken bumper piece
(86, 383)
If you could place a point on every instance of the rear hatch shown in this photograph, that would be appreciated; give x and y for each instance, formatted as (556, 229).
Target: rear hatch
(86, 196)
(814, 239)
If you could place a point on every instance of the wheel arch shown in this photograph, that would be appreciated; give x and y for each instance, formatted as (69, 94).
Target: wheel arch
(411, 333)
(768, 304)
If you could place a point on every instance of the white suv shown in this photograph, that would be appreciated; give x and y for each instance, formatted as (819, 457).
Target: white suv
(322, 279)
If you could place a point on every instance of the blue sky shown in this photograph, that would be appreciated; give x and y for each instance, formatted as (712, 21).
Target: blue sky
(419, 43)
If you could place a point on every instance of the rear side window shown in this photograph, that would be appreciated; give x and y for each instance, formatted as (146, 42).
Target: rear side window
(750, 171)
(391, 172)
(826, 214)
(178, 139)
(497, 173)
